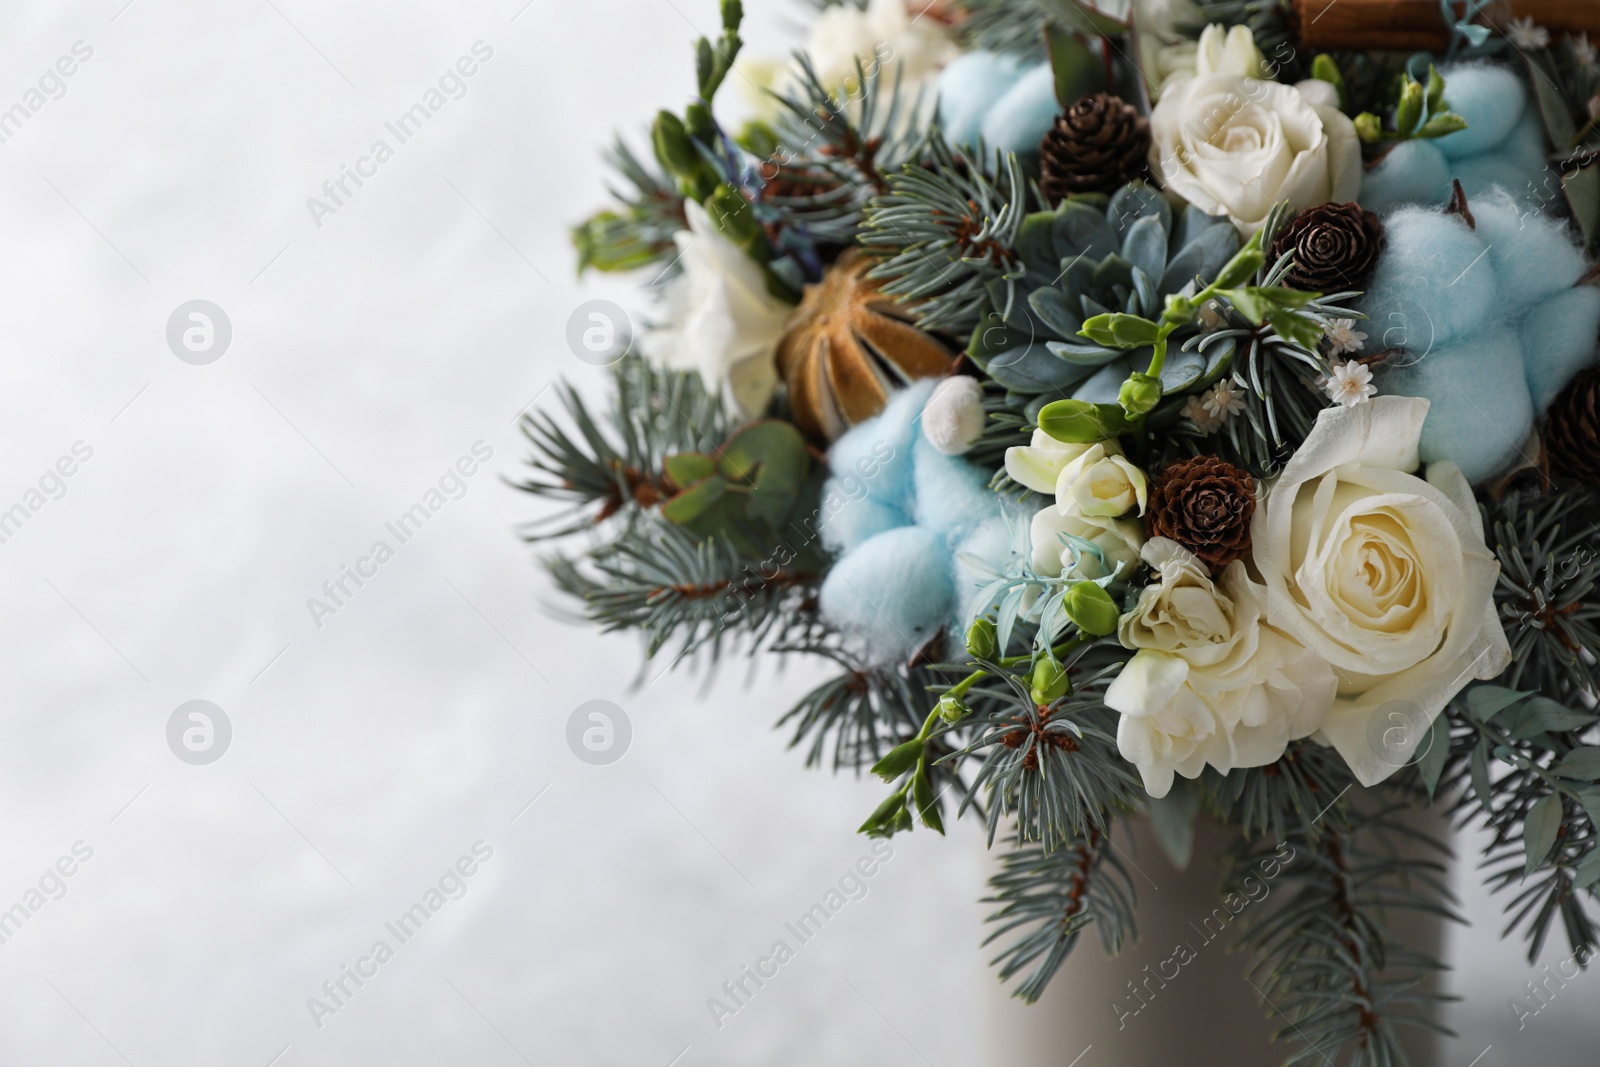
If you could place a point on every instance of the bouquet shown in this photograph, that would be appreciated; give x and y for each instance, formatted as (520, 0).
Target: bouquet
(1177, 411)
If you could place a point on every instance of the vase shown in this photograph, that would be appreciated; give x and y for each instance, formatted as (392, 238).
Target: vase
(1145, 1008)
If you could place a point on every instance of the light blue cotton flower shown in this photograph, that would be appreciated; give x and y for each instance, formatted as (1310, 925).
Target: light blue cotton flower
(1010, 105)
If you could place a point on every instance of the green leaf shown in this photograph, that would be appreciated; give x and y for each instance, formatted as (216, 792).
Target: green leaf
(1582, 764)
(900, 759)
(1558, 122)
(1484, 702)
(1480, 776)
(694, 501)
(1080, 422)
(1442, 124)
(1296, 327)
(1078, 73)
(1243, 266)
(1539, 831)
(1408, 115)
(1588, 872)
(687, 468)
(1543, 715)
(1582, 189)
(1077, 16)
(1435, 750)
(1590, 799)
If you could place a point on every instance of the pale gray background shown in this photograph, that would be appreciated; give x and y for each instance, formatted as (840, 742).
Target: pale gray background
(369, 754)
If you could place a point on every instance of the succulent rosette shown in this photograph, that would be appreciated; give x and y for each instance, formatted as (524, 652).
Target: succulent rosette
(1142, 419)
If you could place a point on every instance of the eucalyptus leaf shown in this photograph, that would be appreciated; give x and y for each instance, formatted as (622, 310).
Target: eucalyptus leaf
(1172, 818)
(1484, 702)
(1435, 750)
(1582, 764)
(1540, 828)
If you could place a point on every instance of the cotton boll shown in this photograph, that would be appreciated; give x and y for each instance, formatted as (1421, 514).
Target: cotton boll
(952, 496)
(878, 451)
(1558, 340)
(893, 592)
(1482, 175)
(849, 518)
(1481, 410)
(952, 420)
(1490, 97)
(1414, 172)
(1531, 253)
(1021, 118)
(968, 87)
(1432, 285)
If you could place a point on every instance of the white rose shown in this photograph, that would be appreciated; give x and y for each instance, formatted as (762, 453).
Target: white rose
(1111, 543)
(1381, 573)
(1235, 146)
(721, 320)
(1211, 682)
(1101, 482)
(1039, 463)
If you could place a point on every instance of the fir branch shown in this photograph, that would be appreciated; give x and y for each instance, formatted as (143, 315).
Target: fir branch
(1527, 767)
(604, 464)
(1055, 766)
(1546, 594)
(641, 232)
(835, 147)
(657, 578)
(948, 228)
(1325, 961)
(1302, 792)
(851, 720)
(1051, 896)
(1013, 27)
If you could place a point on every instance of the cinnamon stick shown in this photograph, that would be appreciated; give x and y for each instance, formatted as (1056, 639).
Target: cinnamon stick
(1416, 25)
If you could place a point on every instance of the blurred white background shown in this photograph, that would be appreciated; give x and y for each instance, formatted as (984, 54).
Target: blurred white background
(370, 753)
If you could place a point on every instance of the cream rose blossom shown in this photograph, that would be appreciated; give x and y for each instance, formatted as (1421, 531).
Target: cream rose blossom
(1383, 574)
(1211, 682)
(1235, 145)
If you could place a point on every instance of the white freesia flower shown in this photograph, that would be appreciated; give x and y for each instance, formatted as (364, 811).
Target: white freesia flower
(721, 320)
(1112, 543)
(1381, 573)
(1235, 146)
(1102, 483)
(1039, 463)
(1211, 682)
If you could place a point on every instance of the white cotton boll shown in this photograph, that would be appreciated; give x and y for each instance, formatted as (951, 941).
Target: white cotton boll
(953, 417)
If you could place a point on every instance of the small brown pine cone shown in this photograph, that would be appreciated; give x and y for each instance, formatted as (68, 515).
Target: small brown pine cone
(1206, 506)
(1097, 145)
(1572, 429)
(1335, 248)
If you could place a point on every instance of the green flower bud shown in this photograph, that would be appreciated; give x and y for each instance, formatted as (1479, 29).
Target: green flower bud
(1139, 394)
(1092, 608)
(673, 147)
(1368, 127)
(1409, 112)
(900, 759)
(734, 216)
(982, 641)
(953, 709)
(1243, 266)
(1049, 682)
